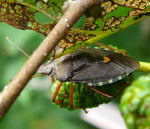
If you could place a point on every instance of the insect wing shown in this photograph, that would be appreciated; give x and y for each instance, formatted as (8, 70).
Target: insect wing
(117, 68)
(91, 65)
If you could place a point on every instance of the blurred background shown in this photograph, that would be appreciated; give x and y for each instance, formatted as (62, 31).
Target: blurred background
(33, 109)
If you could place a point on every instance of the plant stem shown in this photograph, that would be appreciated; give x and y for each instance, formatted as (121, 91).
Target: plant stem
(14, 88)
(144, 66)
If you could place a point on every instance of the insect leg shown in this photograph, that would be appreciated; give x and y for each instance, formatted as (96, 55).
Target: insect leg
(110, 48)
(101, 92)
(56, 93)
(71, 95)
(85, 111)
(52, 79)
(39, 75)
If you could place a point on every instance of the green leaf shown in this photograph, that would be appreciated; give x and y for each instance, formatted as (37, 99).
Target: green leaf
(109, 17)
(24, 14)
(135, 104)
(98, 22)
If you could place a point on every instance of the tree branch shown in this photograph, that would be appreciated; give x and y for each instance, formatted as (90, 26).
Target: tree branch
(74, 10)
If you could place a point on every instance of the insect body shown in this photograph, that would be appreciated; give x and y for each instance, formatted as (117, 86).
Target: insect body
(97, 67)
(81, 70)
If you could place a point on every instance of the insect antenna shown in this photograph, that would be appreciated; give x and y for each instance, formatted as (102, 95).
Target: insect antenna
(110, 48)
(17, 47)
(24, 53)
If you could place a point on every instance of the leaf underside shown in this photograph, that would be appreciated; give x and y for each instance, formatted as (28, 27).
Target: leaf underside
(98, 22)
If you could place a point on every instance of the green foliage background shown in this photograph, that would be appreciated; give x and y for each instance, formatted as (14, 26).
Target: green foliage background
(33, 109)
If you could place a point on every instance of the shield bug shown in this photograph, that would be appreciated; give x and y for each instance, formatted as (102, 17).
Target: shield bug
(79, 74)
(97, 67)
(85, 67)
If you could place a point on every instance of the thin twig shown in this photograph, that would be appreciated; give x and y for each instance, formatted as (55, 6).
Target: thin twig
(13, 89)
